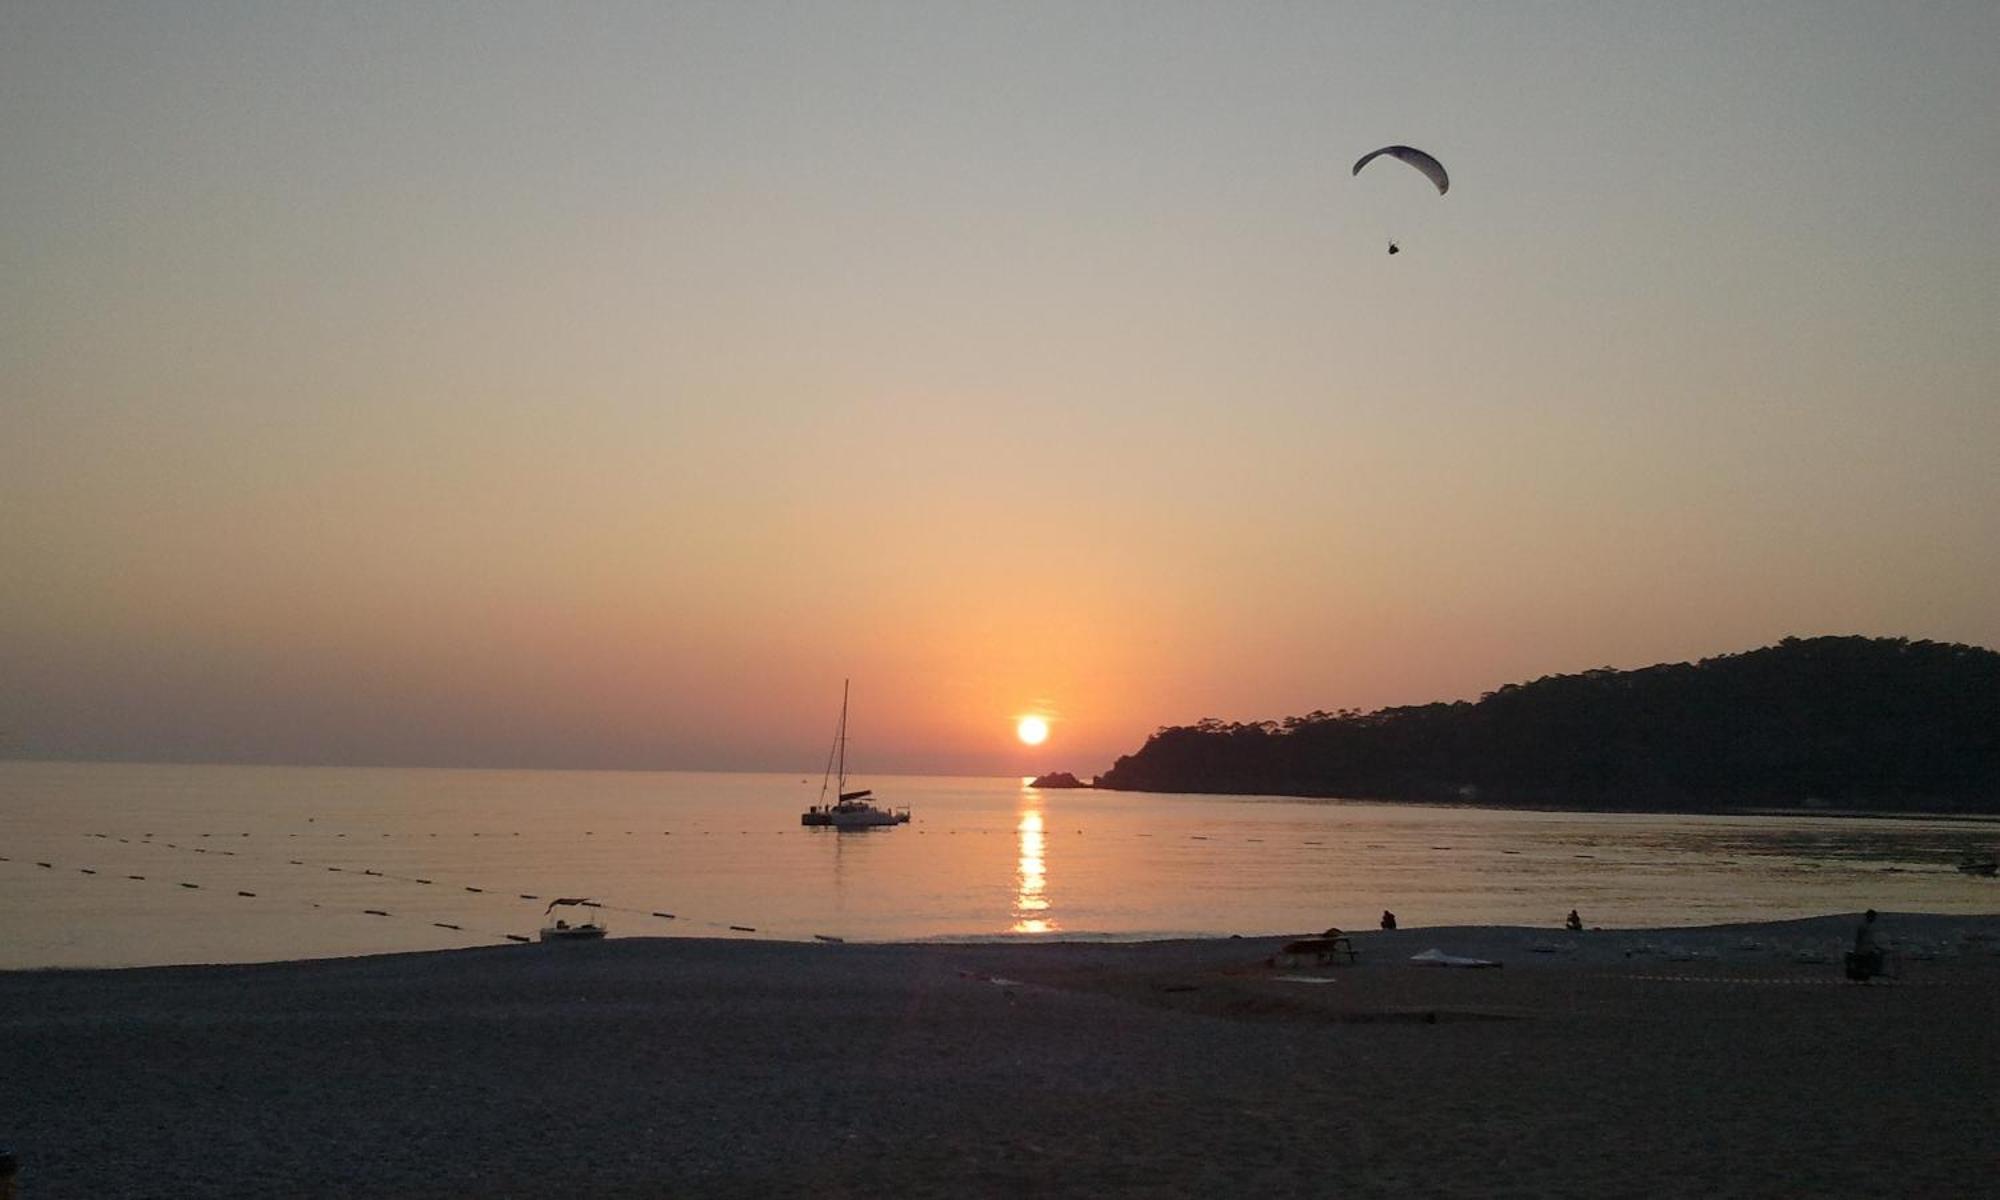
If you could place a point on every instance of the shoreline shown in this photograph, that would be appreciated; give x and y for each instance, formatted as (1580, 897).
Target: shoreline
(1694, 1061)
(1689, 809)
(1920, 932)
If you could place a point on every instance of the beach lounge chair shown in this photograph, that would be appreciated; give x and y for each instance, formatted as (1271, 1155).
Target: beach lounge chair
(1319, 951)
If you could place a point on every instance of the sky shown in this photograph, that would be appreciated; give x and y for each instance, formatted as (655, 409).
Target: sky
(530, 385)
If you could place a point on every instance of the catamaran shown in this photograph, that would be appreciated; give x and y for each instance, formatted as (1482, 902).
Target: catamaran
(850, 810)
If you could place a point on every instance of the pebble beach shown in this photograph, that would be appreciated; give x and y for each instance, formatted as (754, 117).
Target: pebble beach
(1719, 1061)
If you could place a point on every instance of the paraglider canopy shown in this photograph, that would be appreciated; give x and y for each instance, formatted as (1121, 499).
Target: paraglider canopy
(1432, 169)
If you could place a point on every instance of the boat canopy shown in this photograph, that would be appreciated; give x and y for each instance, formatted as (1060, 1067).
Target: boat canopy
(565, 900)
(863, 794)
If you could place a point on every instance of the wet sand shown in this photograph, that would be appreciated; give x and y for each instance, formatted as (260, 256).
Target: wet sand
(1710, 1062)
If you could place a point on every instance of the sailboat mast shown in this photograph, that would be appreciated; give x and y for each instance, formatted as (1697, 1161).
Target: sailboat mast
(841, 740)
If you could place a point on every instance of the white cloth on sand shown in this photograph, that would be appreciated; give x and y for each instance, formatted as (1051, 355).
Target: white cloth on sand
(1438, 958)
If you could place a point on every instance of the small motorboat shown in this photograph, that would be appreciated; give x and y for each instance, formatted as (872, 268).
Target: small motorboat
(589, 929)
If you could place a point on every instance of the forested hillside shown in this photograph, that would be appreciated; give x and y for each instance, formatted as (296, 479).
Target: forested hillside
(1852, 722)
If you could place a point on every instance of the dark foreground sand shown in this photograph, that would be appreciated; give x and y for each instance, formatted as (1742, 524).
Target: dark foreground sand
(1668, 1063)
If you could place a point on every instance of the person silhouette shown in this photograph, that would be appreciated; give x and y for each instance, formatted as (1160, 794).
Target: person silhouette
(1867, 959)
(1573, 922)
(1388, 919)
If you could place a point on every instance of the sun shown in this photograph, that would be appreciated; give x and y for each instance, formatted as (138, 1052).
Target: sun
(1032, 731)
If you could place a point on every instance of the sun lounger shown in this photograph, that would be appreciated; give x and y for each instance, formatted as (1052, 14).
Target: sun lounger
(1318, 951)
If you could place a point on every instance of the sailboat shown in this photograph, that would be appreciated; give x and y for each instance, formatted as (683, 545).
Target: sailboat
(849, 810)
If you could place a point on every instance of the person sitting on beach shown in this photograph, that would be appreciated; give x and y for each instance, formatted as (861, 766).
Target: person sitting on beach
(1388, 919)
(1573, 923)
(1867, 951)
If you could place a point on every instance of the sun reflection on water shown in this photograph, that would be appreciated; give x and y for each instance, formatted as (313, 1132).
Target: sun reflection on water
(1031, 901)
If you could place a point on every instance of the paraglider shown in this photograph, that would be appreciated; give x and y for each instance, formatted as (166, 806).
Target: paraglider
(1430, 168)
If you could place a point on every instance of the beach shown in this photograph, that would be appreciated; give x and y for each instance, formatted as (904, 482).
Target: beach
(1722, 1061)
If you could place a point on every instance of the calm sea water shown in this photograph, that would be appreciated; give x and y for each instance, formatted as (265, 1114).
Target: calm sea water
(318, 848)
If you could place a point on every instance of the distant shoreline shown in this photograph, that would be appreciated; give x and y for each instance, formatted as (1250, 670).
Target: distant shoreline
(1683, 810)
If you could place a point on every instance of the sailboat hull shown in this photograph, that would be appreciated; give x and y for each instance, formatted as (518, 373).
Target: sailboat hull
(855, 816)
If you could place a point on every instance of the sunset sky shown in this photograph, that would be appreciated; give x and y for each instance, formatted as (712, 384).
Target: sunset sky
(599, 385)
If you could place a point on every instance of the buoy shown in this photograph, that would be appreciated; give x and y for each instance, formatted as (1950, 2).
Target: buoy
(374, 912)
(444, 925)
(246, 893)
(666, 916)
(474, 889)
(86, 870)
(191, 885)
(743, 929)
(135, 877)
(423, 881)
(529, 896)
(514, 937)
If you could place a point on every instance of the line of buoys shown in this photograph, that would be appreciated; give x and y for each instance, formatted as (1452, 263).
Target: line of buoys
(659, 913)
(370, 871)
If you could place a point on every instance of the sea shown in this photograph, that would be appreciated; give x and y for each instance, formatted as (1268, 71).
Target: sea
(115, 865)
